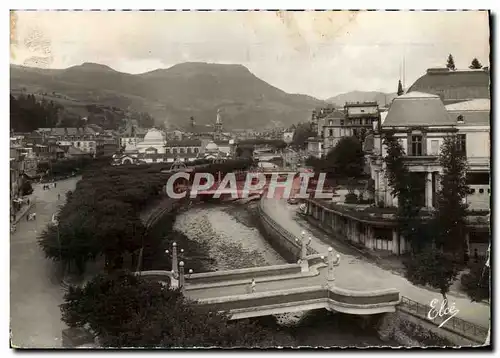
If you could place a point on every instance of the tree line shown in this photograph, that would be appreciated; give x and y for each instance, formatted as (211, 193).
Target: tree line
(28, 114)
(101, 218)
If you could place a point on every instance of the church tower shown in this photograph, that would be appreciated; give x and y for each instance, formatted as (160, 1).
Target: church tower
(218, 126)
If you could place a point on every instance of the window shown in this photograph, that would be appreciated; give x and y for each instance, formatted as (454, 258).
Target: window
(462, 143)
(331, 132)
(77, 144)
(434, 147)
(330, 122)
(174, 150)
(182, 150)
(481, 191)
(196, 150)
(341, 122)
(460, 119)
(416, 145)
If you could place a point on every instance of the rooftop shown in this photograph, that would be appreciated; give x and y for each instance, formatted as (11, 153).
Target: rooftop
(479, 104)
(454, 85)
(418, 109)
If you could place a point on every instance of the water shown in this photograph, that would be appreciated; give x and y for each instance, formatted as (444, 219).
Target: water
(234, 241)
(227, 230)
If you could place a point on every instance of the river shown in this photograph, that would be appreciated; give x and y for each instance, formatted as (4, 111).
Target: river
(231, 233)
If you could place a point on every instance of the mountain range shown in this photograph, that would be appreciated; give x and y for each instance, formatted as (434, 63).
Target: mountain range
(173, 95)
(359, 96)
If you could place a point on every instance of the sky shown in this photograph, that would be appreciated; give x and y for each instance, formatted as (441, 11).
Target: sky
(321, 54)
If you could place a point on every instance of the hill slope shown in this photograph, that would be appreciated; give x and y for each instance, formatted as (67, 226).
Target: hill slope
(175, 94)
(360, 96)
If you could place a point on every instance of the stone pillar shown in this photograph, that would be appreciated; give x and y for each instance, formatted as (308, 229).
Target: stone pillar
(175, 268)
(467, 243)
(395, 241)
(181, 275)
(437, 182)
(428, 190)
(303, 252)
(331, 265)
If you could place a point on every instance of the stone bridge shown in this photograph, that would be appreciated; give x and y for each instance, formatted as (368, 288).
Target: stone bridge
(268, 290)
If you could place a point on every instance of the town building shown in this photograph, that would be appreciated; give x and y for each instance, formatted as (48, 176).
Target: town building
(359, 118)
(334, 128)
(439, 104)
(131, 136)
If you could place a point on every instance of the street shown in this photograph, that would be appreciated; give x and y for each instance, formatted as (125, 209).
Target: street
(356, 273)
(35, 291)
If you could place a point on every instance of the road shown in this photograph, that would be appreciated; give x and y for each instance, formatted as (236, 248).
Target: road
(356, 273)
(35, 291)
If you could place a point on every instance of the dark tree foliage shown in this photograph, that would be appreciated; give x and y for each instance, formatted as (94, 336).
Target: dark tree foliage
(28, 114)
(26, 188)
(125, 310)
(450, 216)
(476, 283)
(346, 159)
(434, 268)
(64, 167)
(475, 64)
(101, 216)
(302, 132)
(400, 88)
(450, 62)
(405, 187)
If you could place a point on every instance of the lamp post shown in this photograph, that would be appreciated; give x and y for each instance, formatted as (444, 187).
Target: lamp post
(332, 263)
(181, 275)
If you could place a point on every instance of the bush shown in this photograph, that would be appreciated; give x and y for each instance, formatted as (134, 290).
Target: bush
(125, 310)
(26, 188)
(476, 283)
(351, 198)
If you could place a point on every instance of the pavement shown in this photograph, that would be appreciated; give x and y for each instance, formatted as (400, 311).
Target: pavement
(356, 273)
(35, 290)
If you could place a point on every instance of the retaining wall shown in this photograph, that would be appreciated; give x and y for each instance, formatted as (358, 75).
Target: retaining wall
(279, 238)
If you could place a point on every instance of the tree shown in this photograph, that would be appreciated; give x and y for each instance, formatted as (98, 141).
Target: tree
(451, 63)
(451, 213)
(476, 283)
(125, 310)
(434, 268)
(301, 134)
(475, 64)
(405, 187)
(400, 88)
(346, 159)
(26, 188)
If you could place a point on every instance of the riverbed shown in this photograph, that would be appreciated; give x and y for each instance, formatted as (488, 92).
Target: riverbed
(230, 231)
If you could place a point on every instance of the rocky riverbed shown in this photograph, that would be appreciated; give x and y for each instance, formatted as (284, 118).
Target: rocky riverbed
(231, 234)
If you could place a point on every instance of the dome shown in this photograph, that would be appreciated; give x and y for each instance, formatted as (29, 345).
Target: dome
(154, 135)
(212, 146)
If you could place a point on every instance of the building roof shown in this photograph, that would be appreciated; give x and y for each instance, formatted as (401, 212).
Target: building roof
(361, 104)
(454, 85)
(154, 135)
(471, 118)
(417, 110)
(184, 143)
(479, 104)
(76, 151)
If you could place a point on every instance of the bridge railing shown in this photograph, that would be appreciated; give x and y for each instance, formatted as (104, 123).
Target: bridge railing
(456, 325)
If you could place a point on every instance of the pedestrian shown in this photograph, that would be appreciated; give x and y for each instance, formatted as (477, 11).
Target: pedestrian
(55, 185)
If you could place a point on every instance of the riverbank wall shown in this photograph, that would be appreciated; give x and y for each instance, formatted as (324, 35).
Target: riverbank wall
(280, 239)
